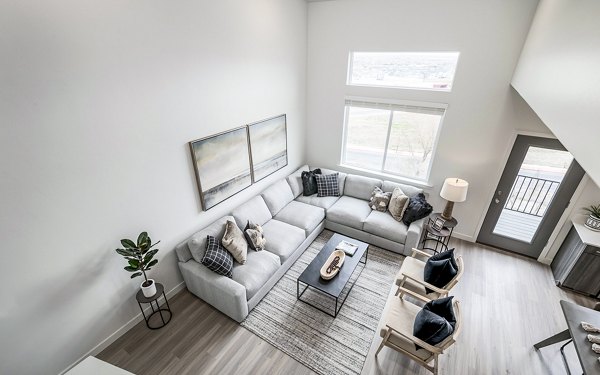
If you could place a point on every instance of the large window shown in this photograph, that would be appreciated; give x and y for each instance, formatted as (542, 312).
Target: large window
(416, 70)
(391, 138)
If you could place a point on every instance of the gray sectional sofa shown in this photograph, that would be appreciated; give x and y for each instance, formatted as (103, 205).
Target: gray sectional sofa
(291, 222)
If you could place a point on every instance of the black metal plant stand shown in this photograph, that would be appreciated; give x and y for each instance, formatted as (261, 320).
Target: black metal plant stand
(160, 291)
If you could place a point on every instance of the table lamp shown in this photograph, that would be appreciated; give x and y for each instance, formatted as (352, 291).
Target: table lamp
(454, 190)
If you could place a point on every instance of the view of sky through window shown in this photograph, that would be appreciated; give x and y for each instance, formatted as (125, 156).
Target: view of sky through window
(419, 70)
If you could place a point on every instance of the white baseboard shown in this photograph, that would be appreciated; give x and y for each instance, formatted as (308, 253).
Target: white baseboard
(464, 237)
(121, 331)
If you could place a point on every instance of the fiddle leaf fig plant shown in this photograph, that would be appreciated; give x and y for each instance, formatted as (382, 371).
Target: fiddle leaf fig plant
(139, 255)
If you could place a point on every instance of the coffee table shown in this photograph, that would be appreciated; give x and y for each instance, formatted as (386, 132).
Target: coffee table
(311, 276)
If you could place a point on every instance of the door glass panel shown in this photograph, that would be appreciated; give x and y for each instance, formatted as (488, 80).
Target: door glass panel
(540, 175)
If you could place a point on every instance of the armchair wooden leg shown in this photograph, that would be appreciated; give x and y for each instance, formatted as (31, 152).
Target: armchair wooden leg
(387, 336)
(400, 293)
(435, 365)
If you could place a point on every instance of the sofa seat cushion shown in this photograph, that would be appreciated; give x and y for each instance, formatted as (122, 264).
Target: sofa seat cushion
(384, 225)
(282, 238)
(259, 267)
(349, 211)
(301, 215)
(314, 200)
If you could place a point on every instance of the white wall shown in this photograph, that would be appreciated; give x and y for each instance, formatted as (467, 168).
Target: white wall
(97, 103)
(483, 111)
(558, 75)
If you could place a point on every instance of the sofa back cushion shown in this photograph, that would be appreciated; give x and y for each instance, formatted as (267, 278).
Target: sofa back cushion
(197, 242)
(277, 196)
(295, 180)
(255, 210)
(341, 177)
(360, 187)
(411, 191)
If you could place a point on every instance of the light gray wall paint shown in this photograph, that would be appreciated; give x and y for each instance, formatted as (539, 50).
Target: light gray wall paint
(558, 75)
(484, 112)
(97, 103)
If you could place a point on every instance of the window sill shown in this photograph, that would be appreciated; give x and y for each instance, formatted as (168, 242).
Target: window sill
(391, 177)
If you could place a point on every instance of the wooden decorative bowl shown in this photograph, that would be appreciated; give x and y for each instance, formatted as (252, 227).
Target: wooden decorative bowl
(336, 268)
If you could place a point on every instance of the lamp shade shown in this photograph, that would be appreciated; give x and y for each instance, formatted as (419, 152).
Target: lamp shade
(454, 190)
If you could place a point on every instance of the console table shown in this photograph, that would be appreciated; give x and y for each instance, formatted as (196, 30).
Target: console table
(575, 314)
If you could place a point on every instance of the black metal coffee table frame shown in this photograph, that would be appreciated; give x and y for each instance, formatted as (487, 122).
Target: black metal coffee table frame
(336, 310)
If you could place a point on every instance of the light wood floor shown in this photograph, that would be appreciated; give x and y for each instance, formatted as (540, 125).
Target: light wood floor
(508, 304)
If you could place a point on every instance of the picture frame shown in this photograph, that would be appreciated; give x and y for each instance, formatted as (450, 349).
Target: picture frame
(222, 164)
(268, 146)
(438, 224)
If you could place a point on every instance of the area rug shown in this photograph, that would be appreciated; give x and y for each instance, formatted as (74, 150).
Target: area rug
(325, 344)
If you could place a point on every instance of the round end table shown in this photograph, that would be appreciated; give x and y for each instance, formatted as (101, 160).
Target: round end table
(440, 237)
(166, 318)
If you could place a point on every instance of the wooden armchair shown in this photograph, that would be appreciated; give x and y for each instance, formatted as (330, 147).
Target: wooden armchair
(396, 331)
(410, 276)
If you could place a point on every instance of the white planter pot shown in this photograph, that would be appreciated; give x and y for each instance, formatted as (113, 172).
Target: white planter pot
(149, 291)
(593, 223)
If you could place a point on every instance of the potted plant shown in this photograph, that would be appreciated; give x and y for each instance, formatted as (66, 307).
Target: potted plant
(140, 256)
(593, 219)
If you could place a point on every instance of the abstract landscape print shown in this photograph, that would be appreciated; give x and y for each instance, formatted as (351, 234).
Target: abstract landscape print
(268, 145)
(222, 165)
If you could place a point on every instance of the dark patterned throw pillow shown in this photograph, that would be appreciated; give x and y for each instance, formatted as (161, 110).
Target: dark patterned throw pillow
(309, 182)
(216, 258)
(327, 185)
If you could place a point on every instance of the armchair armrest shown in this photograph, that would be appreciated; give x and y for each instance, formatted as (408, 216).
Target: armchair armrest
(413, 236)
(403, 290)
(441, 291)
(416, 340)
(416, 252)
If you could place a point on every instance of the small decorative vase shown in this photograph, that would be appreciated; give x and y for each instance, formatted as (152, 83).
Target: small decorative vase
(150, 290)
(593, 223)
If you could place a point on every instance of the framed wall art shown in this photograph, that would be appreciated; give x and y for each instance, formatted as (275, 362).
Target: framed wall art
(222, 165)
(268, 146)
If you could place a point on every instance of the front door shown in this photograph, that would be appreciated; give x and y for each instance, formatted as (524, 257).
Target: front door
(536, 186)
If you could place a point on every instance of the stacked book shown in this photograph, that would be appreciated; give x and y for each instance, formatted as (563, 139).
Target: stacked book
(347, 247)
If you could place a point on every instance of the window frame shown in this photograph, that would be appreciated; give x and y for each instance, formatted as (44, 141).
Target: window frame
(351, 65)
(382, 171)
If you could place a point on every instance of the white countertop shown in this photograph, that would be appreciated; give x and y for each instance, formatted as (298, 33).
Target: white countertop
(588, 236)
(94, 366)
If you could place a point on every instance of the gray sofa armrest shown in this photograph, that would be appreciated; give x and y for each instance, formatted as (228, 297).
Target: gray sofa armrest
(415, 230)
(223, 293)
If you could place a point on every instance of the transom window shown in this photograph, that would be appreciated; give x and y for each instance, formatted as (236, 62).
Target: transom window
(416, 70)
(391, 138)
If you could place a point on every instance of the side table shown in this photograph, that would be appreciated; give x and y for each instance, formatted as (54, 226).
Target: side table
(441, 238)
(160, 291)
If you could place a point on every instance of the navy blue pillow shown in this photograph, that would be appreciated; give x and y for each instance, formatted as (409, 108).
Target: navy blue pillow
(309, 182)
(418, 208)
(439, 272)
(449, 254)
(431, 323)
